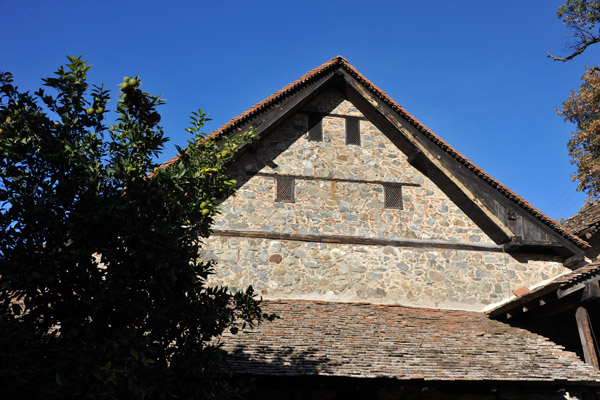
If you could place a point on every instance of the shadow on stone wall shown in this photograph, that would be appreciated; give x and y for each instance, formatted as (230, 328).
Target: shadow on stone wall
(262, 156)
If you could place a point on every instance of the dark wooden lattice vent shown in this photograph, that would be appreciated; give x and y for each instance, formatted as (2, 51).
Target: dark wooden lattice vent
(392, 196)
(315, 127)
(353, 131)
(285, 190)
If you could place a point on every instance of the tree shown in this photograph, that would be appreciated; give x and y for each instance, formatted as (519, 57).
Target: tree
(583, 107)
(102, 294)
(582, 17)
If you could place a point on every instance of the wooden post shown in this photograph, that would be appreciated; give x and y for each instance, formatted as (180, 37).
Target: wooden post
(585, 335)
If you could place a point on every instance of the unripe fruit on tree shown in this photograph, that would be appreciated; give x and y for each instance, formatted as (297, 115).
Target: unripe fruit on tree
(132, 82)
(99, 110)
(203, 205)
(225, 153)
(123, 85)
(89, 111)
(205, 212)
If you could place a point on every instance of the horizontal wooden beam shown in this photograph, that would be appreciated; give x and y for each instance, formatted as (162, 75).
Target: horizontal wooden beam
(332, 115)
(329, 179)
(339, 239)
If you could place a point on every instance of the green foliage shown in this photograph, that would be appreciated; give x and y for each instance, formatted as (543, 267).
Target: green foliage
(580, 14)
(102, 293)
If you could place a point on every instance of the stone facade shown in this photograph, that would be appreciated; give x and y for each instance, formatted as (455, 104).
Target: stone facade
(339, 190)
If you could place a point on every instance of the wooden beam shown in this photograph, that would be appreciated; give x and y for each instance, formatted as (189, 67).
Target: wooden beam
(341, 239)
(319, 178)
(574, 261)
(586, 336)
(591, 290)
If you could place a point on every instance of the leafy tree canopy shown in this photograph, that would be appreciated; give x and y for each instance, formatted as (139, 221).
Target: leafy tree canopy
(102, 294)
(582, 108)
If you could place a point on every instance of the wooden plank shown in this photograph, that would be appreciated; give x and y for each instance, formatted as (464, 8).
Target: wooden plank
(590, 289)
(574, 261)
(586, 336)
(340, 239)
(515, 224)
(308, 112)
(318, 178)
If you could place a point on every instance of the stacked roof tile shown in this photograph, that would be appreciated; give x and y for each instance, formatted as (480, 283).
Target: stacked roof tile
(586, 222)
(368, 340)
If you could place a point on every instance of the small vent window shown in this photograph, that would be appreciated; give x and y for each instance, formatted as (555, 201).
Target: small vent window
(315, 127)
(393, 196)
(353, 131)
(285, 190)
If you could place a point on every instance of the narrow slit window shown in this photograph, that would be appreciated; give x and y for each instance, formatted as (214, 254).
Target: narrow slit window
(285, 190)
(315, 127)
(392, 196)
(353, 131)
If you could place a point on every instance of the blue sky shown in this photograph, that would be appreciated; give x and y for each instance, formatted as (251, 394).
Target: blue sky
(473, 71)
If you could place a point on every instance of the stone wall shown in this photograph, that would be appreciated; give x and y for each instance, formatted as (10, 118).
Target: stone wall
(385, 274)
(339, 190)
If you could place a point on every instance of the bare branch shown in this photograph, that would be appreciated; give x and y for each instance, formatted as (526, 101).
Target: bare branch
(580, 49)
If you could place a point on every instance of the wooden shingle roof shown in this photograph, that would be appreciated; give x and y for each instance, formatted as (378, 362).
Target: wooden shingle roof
(586, 222)
(390, 341)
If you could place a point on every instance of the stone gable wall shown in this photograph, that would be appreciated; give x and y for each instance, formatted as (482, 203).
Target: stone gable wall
(341, 192)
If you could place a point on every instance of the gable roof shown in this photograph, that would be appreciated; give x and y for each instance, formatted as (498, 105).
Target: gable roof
(341, 64)
(586, 222)
(409, 343)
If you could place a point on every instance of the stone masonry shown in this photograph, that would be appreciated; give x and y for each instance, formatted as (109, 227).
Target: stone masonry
(338, 190)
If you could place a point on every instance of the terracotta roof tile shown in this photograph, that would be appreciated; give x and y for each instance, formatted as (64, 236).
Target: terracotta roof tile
(586, 221)
(368, 340)
(340, 62)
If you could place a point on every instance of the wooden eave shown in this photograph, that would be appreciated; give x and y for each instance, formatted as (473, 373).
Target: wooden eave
(483, 199)
(554, 298)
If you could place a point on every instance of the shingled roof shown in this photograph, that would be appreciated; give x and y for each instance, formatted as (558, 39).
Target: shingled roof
(271, 102)
(390, 341)
(586, 222)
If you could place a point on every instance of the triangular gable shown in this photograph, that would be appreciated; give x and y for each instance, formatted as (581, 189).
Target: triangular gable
(507, 218)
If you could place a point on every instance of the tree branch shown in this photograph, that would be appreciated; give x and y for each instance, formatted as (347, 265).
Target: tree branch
(580, 49)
